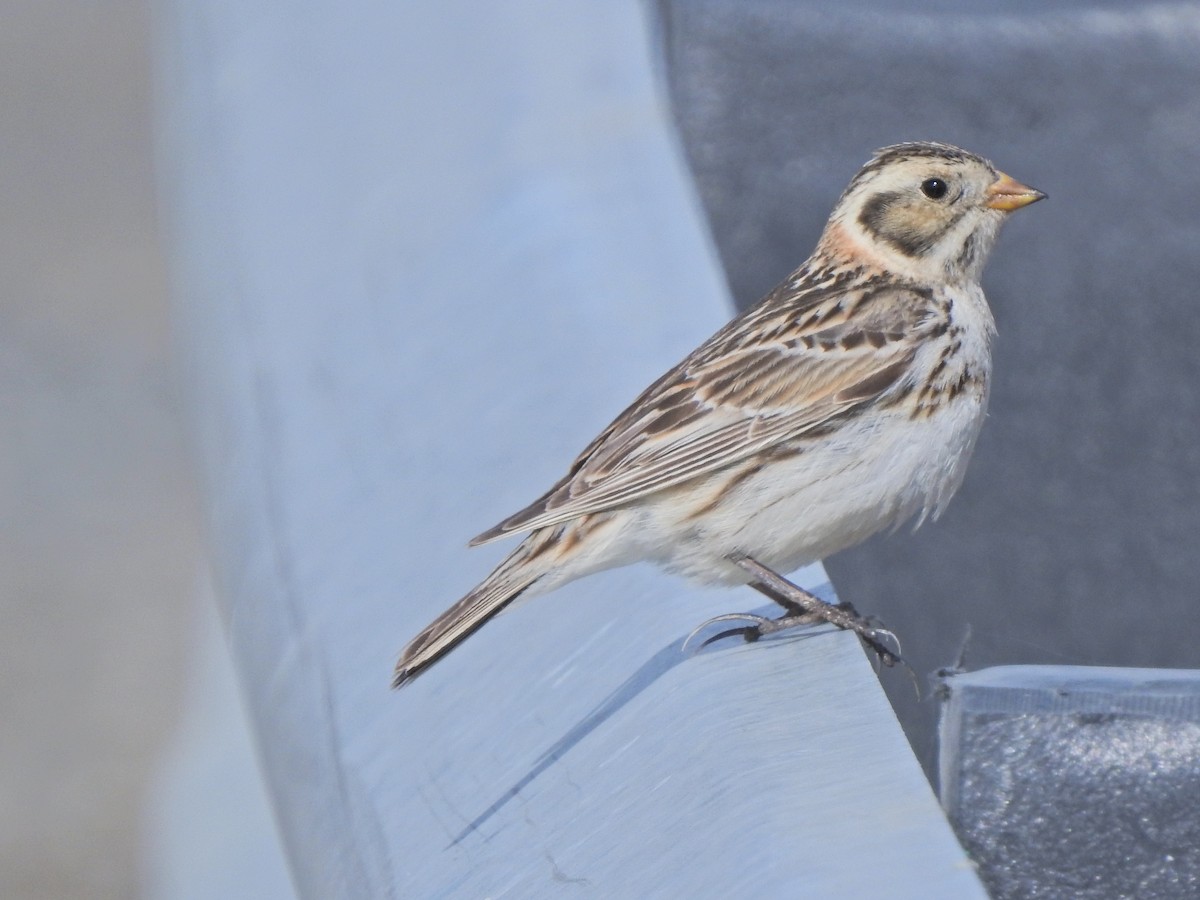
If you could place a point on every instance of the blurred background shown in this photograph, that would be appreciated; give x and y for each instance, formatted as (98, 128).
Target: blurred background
(1072, 541)
(100, 556)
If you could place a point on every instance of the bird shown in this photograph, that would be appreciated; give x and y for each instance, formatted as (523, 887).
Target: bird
(845, 402)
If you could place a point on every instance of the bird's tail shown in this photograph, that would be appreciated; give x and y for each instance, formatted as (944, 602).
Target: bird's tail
(511, 578)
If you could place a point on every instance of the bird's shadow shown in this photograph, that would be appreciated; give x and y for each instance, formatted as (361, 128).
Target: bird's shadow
(646, 674)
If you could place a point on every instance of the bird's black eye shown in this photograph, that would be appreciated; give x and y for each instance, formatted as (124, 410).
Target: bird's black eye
(933, 188)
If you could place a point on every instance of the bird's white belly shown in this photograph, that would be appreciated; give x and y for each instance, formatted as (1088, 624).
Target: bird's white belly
(869, 474)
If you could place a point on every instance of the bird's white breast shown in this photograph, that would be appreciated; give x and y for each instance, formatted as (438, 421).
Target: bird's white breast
(872, 472)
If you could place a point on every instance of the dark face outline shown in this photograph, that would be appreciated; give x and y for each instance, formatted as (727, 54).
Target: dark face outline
(908, 216)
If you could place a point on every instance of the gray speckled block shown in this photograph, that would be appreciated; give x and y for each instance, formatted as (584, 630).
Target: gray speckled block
(424, 251)
(1073, 782)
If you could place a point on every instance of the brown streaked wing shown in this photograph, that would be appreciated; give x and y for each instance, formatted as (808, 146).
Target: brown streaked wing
(721, 405)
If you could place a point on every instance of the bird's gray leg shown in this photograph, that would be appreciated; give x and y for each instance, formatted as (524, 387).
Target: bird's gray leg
(803, 608)
(795, 599)
(789, 605)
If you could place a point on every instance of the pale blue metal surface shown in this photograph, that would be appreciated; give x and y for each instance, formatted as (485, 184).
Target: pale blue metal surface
(423, 253)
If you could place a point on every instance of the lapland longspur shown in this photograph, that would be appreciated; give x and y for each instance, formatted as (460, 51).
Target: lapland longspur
(844, 402)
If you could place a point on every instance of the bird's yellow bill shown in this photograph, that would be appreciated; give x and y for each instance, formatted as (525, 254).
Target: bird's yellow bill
(1008, 194)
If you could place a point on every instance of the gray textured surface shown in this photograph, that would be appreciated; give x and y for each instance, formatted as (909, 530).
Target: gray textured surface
(1075, 783)
(425, 251)
(1073, 539)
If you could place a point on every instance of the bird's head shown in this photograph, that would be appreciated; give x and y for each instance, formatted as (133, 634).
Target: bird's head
(930, 211)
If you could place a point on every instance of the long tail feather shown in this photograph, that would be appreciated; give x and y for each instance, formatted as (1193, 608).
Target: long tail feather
(509, 580)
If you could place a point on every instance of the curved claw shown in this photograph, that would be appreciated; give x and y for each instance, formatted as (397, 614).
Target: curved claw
(887, 656)
(876, 640)
(749, 634)
(913, 675)
(898, 657)
(877, 623)
(877, 634)
(758, 622)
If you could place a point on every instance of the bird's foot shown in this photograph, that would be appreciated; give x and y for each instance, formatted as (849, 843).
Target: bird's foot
(759, 626)
(881, 641)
